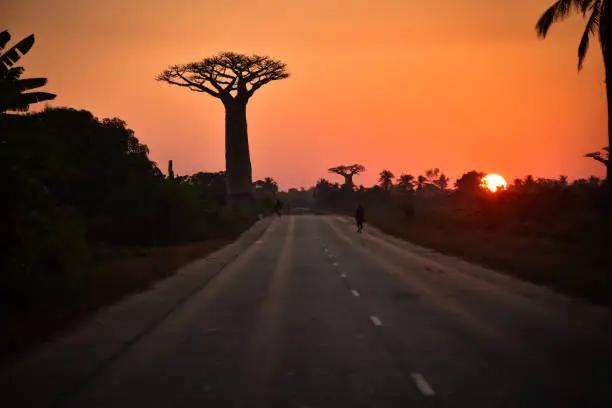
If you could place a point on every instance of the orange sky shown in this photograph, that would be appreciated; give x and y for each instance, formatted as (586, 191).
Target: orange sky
(392, 84)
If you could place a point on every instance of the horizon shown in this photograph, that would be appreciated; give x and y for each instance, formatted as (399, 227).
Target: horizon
(506, 104)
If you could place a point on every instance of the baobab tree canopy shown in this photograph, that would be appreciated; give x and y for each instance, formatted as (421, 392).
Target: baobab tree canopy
(226, 75)
(233, 78)
(348, 172)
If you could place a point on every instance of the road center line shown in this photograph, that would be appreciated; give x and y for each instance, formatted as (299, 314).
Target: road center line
(355, 293)
(335, 263)
(376, 321)
(343, 276)
(422, 385)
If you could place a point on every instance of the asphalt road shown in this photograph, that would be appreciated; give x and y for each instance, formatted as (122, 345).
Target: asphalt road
(308, 313)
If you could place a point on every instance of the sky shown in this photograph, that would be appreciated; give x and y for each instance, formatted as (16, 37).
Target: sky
(391, 84)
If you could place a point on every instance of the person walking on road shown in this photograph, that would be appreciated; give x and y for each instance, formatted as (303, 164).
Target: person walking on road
(359, 217)
(278, 207)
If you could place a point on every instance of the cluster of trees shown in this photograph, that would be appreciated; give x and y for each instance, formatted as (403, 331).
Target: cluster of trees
(72, 184)
(530, 197)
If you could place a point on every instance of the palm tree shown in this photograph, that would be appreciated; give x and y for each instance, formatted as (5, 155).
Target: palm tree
(13, 95)
(271, 185)
(386, 179)
(421, 181)
(406, 182)
(597, 25)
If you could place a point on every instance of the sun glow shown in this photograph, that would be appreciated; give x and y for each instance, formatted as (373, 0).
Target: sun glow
(493, 182)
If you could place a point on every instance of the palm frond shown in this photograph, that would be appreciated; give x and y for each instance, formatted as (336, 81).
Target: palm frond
(557, 12)
(21, 102)
(5, 37)
(586, 5)
(591, 29)
(14, 54)
(30, 83)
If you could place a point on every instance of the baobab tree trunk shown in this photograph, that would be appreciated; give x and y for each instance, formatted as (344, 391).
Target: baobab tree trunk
(348, 182)
(237, 157)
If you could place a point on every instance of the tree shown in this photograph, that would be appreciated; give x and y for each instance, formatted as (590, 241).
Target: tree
(432, 175)
(267, 185)
(13, 95)
(348, 172)
(602, 157)
(599, 24)
(170, 170)
(421, 181)
(232, 78)
(386, 179)
(442, 182)
(406, 182)
(470, 183)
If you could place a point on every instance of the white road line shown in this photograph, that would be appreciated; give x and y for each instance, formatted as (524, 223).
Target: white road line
(335, 263)
(343, 276)
(422, 385)
(376, 321)
(326, 250)
(259, 242)
(355, 293)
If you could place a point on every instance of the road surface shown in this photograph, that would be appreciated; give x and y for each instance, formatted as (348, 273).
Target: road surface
(304, 312)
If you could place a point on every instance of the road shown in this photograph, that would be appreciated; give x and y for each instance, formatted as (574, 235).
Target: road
(308, 313)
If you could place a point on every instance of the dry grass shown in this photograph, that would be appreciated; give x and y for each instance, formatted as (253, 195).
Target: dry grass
(115, 274)
(578, 267)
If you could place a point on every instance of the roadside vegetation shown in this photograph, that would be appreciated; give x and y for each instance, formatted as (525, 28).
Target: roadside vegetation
(87, 217)
(542, 230)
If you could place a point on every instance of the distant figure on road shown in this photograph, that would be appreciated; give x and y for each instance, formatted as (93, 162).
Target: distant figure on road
(278, 207)
(359, 217)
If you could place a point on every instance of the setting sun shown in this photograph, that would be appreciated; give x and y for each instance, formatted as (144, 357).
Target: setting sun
(493, 182)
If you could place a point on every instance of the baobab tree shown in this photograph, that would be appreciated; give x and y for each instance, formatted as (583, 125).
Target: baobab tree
(232, 78)
(599, 24)
(348, 172)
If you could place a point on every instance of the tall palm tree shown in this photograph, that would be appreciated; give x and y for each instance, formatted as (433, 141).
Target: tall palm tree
(13, 95)
(386, 179)
(421, 181)
(406, 182)
(599, 24)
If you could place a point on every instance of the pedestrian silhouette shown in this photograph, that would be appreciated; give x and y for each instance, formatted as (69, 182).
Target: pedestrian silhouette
(278, 207)
(359, 217)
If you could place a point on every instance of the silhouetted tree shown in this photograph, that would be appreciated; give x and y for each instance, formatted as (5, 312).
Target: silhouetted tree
(441, 182)
(421, 181)
(13, 95)
(432, 175)
(268, 185)
(348, 172)
(599, 24)
(602, 157)
(470, 183)
(406, 182)
(386, 179)
(232, 78)
(170, 170)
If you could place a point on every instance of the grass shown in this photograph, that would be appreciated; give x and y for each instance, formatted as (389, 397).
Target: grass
(115, 273)
(576, 264)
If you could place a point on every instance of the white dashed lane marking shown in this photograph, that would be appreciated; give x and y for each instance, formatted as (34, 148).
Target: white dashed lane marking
(355, 293)
(376, 321)
(422, 385)
(335, 263)
(343, 276)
